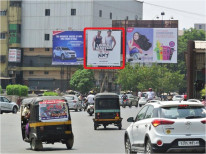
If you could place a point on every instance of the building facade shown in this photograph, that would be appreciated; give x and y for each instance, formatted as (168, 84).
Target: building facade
(199, 26)
(40, 18)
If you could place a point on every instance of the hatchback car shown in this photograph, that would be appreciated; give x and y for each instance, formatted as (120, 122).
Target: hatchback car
(74, 103)
(167, 127)
(143, 99)
(64, 53)
(7, 106)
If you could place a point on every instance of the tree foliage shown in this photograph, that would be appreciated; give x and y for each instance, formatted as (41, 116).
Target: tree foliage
(82, 80)
(19, 90)
(160, 78)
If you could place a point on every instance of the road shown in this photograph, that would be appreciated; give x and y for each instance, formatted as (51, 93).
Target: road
(86, 139)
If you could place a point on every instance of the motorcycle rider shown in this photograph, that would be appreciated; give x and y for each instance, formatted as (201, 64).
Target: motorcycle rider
(124, 97)
(89, 99)
(150, 94)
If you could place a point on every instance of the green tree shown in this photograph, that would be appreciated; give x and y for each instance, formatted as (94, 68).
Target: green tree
(82, 80)
(157, 77)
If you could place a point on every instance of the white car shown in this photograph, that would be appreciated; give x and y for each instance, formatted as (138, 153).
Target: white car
(167, 127)
(143, 99)
(177, 98)
(7, 106)
(74, 103)
(64, 53)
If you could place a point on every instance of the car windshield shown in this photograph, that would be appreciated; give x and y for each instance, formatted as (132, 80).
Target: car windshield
(178, 96)
(183, 112)
(69, 97)
(65, 48)
(107, 104)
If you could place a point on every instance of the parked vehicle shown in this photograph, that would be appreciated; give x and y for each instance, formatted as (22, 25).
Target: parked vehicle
(7, 106)
(64, 53)
(74, 103)
(170, 126)
(107, 110)
(177, 98)
(90, 109)
(47, 120)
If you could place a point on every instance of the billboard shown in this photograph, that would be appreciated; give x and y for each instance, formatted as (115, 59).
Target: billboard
(103, 48)
(14, 55)
(53, 110)
(67, 48)
(148, 45)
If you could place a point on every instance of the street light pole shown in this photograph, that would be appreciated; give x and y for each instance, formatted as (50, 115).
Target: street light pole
(162, 14)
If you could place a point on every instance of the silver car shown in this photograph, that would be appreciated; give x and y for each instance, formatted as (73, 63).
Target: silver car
(64, 53)
(7, 106)
(132, 100)
(74, 103)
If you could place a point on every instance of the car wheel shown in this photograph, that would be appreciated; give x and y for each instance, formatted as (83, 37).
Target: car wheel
(105, 127)
(148, 148)
(90, 114)
(128, 149)
(120, 127)
(140, 105)
(15, 109)
(62, 57)
(36, 144)
(69, 143)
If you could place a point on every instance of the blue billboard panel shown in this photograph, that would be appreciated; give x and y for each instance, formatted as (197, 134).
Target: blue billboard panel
(67, 48)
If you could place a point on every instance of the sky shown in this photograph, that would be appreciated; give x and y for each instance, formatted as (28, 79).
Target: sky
(192, 11)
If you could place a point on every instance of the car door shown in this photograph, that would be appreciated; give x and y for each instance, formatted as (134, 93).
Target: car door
(7, 105)
(2, 103)
(138, 127)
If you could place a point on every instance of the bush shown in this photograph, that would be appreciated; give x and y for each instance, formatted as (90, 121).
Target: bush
(50, 93)
(19, 90)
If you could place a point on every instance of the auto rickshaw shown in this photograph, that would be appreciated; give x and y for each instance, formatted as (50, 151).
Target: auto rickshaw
(107, 110)
(49, 121)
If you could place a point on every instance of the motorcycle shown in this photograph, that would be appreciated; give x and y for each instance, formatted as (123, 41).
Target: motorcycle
(90, 109)
(124, 103)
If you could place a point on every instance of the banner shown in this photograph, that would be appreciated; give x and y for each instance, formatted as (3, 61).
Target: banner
(67, 48)
(14, 55)
(148, 45)
(53, 110)
(103, 48)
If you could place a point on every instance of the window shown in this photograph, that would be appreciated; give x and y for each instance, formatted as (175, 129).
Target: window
(31, 72)
(31, 49)
(46, 49)
(73, 12)
(47, 12)
(2, 35)
(3, 13)
(149, 112)
(5, 99)
(127, 17)
(141, 114)
(46, 72)
(110, 15)
(100, 13)
(46, 37)
(200, 26)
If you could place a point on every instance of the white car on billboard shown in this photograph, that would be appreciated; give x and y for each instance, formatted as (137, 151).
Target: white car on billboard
(64, 53)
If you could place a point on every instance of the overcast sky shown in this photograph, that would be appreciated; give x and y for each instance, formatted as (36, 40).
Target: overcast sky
(193, 11)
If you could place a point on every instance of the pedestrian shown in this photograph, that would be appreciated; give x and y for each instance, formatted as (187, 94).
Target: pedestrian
(150, 94)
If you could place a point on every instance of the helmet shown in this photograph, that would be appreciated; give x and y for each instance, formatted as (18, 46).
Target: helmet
(150, 89)
(91, 92)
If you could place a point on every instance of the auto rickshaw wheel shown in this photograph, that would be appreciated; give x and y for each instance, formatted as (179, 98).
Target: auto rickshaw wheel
(95, 127)
(69, 143)
(36, 144)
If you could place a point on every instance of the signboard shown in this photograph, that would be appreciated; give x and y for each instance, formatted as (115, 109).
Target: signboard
(148, 45)
(14, 55)
(104, 48)
(53, 110)
(67, 48)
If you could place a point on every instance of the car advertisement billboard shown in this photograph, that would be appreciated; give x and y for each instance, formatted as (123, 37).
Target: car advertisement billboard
(67, 48)
(14, 55)
(148, 45)
(103, 48)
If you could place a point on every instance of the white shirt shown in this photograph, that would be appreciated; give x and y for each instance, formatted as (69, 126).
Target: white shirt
(90, 98)
(108, 40)
(150, 95)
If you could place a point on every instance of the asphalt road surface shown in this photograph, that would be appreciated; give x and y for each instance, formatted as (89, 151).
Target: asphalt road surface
(86, 139)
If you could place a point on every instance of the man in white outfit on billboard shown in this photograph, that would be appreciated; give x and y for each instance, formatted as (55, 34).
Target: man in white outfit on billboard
(109, 39)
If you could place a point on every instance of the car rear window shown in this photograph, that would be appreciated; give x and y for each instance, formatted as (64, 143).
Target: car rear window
(183, 112)
(70, 97)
